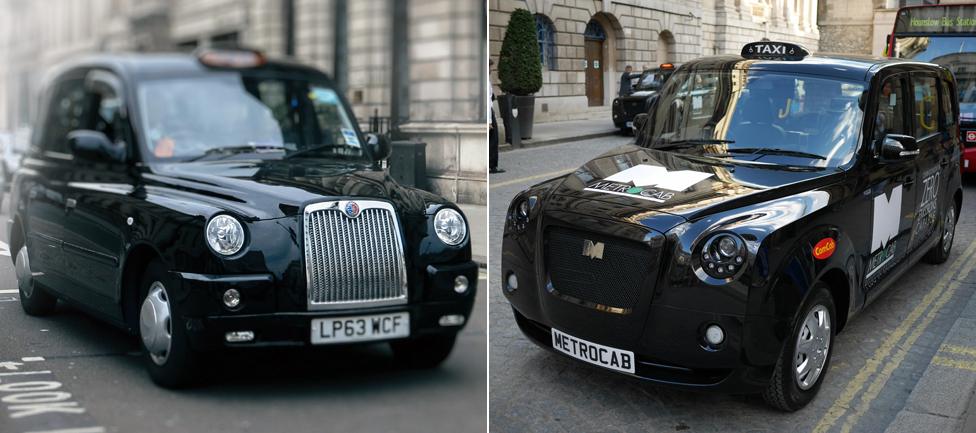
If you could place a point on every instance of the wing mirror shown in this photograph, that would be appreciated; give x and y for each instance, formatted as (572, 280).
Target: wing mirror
(379, 146)
(897, 147)
(95, 146)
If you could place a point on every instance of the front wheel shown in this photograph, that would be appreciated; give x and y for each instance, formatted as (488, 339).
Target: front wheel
(170, 360)
(33, 299)
(423, 352)
(805, 358)
(940, 252)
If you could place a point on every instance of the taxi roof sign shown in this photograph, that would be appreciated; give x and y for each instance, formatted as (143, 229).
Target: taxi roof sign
(769, 50)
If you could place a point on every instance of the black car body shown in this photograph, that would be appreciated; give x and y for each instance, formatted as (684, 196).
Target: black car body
(109, 202)
(734, 221)
(625, 108)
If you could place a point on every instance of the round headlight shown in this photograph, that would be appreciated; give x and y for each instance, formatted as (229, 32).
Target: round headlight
(723, 256)
(449, 226)
(225, 235)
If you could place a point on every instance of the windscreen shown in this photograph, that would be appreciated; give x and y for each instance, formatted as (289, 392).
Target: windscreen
(193, 117)
(796, 119)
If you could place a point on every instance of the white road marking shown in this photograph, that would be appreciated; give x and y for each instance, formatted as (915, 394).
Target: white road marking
(24, 373)
(8, 291)
(73, 430)
(4, 249)
(32, 358)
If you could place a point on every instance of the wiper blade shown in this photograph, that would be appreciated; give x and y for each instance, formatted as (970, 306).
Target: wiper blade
(230, 150)
(694, 142)
(316, 148)
(784, 152)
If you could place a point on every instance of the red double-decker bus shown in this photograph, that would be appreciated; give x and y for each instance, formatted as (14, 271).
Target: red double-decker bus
(946, 35)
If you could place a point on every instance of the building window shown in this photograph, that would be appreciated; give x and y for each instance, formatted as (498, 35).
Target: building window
(225, 40)
(594, 31)
(903, 3)
(546, 33)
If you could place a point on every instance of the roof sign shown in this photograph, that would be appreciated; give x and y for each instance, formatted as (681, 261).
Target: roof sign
(769, 50)
(231, 58)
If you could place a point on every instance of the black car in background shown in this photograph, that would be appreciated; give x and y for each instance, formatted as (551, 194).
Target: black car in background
(625, 108)
(222, 200)
(769, 198)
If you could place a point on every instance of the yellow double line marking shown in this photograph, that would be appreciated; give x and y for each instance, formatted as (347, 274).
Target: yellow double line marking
(948, 361)
(890, 354)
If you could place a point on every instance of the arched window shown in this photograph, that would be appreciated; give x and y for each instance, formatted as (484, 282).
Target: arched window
(594, 31)
(546, 34)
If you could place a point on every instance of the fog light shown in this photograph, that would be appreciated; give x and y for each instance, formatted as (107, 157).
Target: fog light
(451, 320)
(714, 335)
(232, 298)
(239, 336)
(460, 284)
(511, 283)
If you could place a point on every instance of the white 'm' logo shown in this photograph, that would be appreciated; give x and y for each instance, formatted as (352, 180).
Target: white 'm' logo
(887, 218)
(652, 175)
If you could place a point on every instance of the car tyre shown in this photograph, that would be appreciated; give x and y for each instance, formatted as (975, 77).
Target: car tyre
(169, 359)
(423, 352)
(33, 299)
(811, 341)
(940, 252)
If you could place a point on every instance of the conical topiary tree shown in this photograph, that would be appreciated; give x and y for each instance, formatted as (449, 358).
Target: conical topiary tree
(519, 67)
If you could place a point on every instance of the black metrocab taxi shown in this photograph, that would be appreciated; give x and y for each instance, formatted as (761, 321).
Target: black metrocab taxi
(626, 107)
(223, 200)
(769, 198)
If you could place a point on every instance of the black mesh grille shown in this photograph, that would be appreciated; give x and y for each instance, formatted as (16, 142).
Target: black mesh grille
(614, 281)
(634, 107)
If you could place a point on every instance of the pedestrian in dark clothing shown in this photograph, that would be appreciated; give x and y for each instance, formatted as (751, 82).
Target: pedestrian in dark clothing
(625, 81)
(492, 132)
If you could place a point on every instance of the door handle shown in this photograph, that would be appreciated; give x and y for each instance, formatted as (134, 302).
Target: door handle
(70, 203)
(944, 162)
(909, 180)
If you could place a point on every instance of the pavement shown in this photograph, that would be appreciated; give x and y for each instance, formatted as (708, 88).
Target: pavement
(544, 134)
(477, 216)
(71, 373)
(906, 363)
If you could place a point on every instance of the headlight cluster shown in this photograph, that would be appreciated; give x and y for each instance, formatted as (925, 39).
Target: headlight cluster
(723, 255)
(450, 226)
(225, 235)
(522, 211)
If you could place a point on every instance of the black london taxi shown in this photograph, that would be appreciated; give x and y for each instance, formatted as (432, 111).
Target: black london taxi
(625, 108)
(223, 200)
(769, 198)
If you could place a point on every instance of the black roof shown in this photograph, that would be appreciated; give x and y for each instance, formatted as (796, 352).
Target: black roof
(845, 66)
(150, 65)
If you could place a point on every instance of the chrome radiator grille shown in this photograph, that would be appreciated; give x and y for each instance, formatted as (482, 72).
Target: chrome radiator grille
(353, 259)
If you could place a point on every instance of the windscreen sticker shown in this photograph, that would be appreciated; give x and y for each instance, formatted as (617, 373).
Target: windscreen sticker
(648, 182)
(350, 136)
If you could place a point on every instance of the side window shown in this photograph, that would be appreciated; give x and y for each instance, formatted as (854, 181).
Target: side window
(948, 114)
(925, 109)
(67, 111)
(107, 117)
(890, 118)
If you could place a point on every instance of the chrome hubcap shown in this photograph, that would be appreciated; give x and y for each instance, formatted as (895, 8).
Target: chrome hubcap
(156, 323)
(25, 279)
(812, 346)
(949, 229)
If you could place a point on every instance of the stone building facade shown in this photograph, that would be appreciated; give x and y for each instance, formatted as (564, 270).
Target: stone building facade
(586, 43)
(444, 101)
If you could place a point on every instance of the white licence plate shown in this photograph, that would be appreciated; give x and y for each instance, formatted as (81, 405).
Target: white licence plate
(598, 354)
(360, 328)
(630, 124)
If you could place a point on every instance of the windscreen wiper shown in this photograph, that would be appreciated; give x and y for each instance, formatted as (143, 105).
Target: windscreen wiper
(680, 144)
(316, 148)
(230, 150)
(783, 152)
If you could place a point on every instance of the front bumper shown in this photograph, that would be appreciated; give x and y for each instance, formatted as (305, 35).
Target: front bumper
(208, 322)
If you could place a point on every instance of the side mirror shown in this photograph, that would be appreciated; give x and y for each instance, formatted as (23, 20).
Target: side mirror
(897, 147)
(95, 146)
(379, 146)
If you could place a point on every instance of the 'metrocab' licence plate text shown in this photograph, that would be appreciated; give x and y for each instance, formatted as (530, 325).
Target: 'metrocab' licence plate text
(604, 356)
